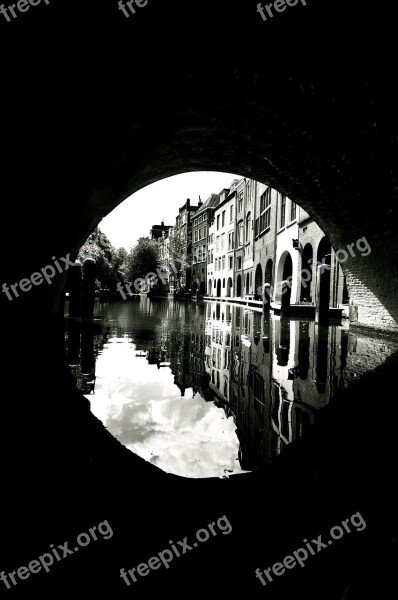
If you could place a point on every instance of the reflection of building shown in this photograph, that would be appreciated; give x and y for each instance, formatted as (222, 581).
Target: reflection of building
(271, 373)
(218, 349)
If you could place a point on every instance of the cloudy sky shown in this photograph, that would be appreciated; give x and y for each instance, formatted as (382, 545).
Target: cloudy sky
(161, 200)
(143, 408)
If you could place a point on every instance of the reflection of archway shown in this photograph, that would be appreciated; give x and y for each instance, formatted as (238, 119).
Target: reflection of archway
(229, 287)
(258, 282)
(202, 288)
(239, 286)
(346, 298)
(285, 272)
(282, 341)
(194, 287)
(323, 286)
(257, 320)
(209, 287)
(219, 288)
(306, 273)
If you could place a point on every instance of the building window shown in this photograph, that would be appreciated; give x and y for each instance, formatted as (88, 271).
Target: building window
(265, 210)
(240, 234)
(199, 219)
(248, 226)
(205, 217)
(283, 210)
(218, 222)
(292, 211)
(223, 241)
(195, 222)
(239, 265)
(230, 241)
(196, 235)
(203, 252)
(223, 262)
(230, 262)
(256, 226)
(231, 213)
(240, 202)
(248, 191)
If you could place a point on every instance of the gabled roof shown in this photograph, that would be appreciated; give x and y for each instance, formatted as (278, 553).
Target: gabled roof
(211, 202)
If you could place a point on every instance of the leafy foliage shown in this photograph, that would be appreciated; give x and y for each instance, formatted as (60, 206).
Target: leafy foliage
(144, 258)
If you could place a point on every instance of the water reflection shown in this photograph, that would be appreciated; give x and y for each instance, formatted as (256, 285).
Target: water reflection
(210, 389)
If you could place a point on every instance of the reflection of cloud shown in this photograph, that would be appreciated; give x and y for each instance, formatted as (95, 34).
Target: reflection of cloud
(140, 405)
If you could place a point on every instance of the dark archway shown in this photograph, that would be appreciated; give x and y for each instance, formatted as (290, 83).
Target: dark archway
(258, 282)
(229, 287)
(219, 288)
(268, 272)
(239, 286)
(316, 120)
(307, 258)
(284, 281)
(247, 283)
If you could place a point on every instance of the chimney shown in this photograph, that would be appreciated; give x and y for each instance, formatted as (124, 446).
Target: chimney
(200, 202)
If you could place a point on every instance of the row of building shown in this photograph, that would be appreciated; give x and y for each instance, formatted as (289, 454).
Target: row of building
(249, 241)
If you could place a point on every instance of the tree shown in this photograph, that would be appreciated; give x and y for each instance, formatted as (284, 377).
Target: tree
(110, 262)
(178, 259)
(143, 259)
(118, 266)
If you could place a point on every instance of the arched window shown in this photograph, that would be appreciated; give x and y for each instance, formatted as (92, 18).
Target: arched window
(248, 226)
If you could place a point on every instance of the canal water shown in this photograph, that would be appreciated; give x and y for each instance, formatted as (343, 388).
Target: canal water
(209, 389)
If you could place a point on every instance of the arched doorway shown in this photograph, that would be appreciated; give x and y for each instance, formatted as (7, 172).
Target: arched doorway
(284, 281)
(258, 282)
(268, 280)
(323, 279)
(239, 286)
(229, 287)
(219, 288)
(202, 288)
(306, 273)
